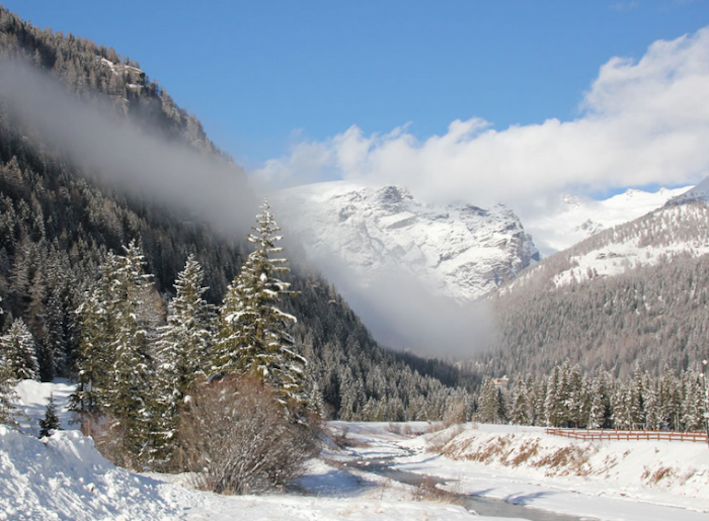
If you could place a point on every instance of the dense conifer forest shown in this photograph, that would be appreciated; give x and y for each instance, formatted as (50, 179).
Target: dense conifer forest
(647, 316)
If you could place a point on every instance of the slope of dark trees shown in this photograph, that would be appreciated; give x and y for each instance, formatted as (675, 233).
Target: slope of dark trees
(57, 225)
(648, 316)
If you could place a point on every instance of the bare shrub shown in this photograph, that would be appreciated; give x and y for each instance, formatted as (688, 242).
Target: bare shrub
(438, 442)
(528, 450)
(566, 460)
(239, 440)
(426, 490)
(394, 428)
(652, 478)
(340, 437)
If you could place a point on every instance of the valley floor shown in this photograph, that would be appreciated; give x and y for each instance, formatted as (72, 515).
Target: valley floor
(64, 478)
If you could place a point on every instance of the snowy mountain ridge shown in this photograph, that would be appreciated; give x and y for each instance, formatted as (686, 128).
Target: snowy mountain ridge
(456, 250)
(574, 218)
(674, 229)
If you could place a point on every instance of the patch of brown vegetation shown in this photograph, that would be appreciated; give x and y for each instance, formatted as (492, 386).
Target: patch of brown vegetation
(427, 490)
(439, 443)
(494, 448)
(564, 461)
(528, 450)
(652, 478)
(339, 437)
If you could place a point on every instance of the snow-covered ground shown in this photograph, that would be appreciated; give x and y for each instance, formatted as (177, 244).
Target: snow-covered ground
(614, 480)
(63, 477)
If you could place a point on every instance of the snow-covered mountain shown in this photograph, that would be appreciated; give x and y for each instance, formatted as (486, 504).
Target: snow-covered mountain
(699, 193)
(456, 250)
(574, 219)
(676, 228)
(629, 296)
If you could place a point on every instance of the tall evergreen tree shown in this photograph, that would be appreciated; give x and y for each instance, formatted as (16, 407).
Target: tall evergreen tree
(183, 344)
(130, 400)
(253, 333)
(6, 387)
(490, 407)
(182, 351)
(97, 321)
(520, 409)
(20, 351)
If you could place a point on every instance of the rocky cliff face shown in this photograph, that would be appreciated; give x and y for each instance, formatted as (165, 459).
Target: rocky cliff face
(457, 250)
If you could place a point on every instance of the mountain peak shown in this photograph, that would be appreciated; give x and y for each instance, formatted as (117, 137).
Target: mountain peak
(457, 250)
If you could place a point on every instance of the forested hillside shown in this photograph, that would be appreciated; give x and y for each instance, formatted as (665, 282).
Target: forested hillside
(634, 295)
(58, 223)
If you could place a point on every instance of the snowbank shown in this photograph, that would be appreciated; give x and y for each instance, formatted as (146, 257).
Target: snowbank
(659, 472)
(64, 478)
(681, 468)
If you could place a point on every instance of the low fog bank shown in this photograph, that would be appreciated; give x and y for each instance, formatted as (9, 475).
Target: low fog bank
(121, 153)
(405, 314)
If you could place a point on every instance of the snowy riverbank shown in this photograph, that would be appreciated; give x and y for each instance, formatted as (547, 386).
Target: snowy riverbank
(63, 477)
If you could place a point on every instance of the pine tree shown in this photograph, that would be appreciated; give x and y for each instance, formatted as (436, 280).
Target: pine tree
(553, 403)
(20, 351)
(519, 413)
(691, 402)
(129, 397)
(490, 405)
(596, 413)
(50, 422)
(183, 345)
(182, 351)
(97, 319)
(637, 400)
(253, 333)
(7, 382)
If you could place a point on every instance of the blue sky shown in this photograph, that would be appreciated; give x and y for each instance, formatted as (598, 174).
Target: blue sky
(283, 80)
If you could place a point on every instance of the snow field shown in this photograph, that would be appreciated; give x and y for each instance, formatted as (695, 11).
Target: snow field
(523, 464)
(64, 478)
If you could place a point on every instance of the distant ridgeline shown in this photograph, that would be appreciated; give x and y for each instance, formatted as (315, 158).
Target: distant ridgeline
(635, 295)
(57, 226)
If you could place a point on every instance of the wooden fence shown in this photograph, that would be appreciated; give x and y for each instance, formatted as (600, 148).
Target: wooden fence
(608, 434)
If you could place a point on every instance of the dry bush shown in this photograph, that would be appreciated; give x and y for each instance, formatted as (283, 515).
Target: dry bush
(652, 478)
(394, 428)
(494, 448)
(566, 460)
(339, 437)
(240, 440)
(402, 429)
(426, 490)
(528, 450)
(438, 442)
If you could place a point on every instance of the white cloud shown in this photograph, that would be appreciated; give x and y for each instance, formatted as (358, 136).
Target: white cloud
(641, 122)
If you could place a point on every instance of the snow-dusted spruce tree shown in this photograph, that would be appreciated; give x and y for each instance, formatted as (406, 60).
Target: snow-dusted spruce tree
(183, 343)
(129, 397)
(50, 422)
(182, 351)
(519, 413)
(7, 381)
(20, 352)
(490, 407)
(596, 413)
(97, 323)
(253, 333)
(6, 387)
